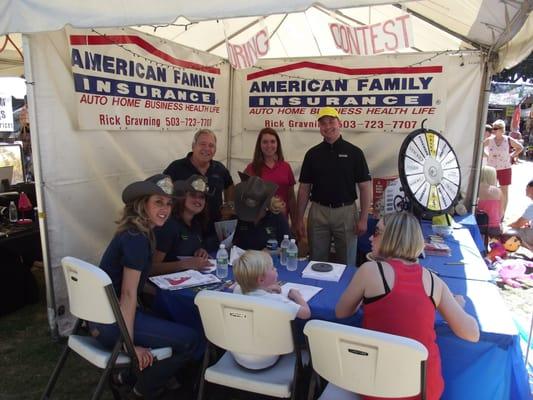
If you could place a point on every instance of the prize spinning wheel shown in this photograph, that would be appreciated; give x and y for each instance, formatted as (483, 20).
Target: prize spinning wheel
(429, 173)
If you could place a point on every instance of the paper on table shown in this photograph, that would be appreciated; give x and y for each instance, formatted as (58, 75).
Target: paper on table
(307, 291)
(206, 270)
(183, 279)
(235, 253)
(333, 275)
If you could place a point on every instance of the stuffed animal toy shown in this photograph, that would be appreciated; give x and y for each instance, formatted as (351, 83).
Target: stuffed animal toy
(511, 243)
(496, 251)
(499, 248)
(512, 269)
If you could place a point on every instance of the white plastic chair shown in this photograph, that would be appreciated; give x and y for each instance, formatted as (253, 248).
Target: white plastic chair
(251, 325)
(364, 362)
(92, 298)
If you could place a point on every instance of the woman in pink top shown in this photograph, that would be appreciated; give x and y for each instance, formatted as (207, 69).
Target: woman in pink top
(490, 199)
(499, 156)
(268, 164)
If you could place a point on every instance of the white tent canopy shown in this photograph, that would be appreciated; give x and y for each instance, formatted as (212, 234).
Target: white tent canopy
(503, 27)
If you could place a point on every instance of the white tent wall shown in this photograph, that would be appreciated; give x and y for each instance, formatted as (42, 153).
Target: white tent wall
(83, 172)
(463, 75)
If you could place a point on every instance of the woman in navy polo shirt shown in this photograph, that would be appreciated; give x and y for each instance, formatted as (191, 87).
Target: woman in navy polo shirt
(127, 260)
(259, 214)
(184, 232)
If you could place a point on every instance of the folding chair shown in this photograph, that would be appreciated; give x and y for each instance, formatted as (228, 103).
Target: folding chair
(364, 362)
(252, 325)
(92, 298)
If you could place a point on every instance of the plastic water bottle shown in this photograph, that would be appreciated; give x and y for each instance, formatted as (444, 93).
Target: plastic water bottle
(283, 250)
(292, 256)
(13, 214)
(222, 262)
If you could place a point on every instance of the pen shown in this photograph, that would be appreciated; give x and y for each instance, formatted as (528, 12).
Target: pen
(455, 263)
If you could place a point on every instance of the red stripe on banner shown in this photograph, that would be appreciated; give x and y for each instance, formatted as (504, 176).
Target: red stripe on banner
(344, 70)
(78, 39)
(143, 44)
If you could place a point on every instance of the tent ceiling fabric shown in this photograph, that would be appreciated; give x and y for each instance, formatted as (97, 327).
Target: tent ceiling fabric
(440, 25)
(11, 60)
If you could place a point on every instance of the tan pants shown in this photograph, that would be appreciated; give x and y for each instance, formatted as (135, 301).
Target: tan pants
(325, 223)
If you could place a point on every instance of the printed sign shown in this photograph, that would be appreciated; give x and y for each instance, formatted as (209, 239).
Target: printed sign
(124, 79)
(6, 114)
(390, 35)
(245, 55)
(378, 188)
(385, 99)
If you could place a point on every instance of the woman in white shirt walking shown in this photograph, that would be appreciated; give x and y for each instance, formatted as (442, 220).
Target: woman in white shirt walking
(501, 149)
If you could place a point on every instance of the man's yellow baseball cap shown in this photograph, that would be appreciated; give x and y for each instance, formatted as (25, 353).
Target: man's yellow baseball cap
(328, 112)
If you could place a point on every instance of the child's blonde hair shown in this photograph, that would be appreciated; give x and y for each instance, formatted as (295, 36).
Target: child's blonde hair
(276, 205)
(249, 267)
(488, 175)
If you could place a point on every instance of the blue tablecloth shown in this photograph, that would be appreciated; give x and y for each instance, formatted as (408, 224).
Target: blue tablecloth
(490, 369)
(469, 222)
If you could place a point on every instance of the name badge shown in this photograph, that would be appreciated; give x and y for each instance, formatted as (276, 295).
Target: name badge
(343, 155)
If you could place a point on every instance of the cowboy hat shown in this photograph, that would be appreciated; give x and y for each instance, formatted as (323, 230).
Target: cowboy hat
(194, 183)
(252, 196)
(157, 184)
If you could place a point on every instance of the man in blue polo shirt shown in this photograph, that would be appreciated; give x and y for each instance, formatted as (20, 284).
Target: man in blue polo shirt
(329, 175)
(200, 162)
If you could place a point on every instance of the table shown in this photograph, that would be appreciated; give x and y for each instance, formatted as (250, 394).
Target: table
(490, 369)
(19, 248)
(469, 222)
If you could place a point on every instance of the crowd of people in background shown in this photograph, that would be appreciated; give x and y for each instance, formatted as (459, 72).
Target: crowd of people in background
(501, 151)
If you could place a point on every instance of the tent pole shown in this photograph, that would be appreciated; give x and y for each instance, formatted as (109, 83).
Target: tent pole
(230, 115)
(482, 114)
(39, 184)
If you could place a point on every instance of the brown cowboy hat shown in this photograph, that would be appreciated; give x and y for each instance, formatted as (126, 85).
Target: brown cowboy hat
(157, 184)
(252, 196)
(194, 183)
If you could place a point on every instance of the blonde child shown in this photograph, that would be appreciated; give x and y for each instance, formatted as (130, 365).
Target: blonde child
(256, 275)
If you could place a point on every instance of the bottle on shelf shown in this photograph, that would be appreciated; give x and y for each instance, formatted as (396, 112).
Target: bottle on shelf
(292, 256)
(283, 250)
(13, 213)
(222, 262)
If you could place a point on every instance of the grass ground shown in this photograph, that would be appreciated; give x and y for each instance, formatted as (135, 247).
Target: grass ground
(28, 356)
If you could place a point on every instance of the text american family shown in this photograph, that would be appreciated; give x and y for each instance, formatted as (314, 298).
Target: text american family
(173, 89)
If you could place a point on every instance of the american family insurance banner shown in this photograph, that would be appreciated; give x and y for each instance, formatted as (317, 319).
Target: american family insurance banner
(371, 94)
(125, 79)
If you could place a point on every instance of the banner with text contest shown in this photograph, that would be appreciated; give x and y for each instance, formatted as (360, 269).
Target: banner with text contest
(128, 80)
(388, 93)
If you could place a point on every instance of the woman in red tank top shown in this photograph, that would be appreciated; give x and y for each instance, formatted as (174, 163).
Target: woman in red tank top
(400, 297)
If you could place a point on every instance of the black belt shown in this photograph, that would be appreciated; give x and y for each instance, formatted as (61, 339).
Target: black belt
(334, 205)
